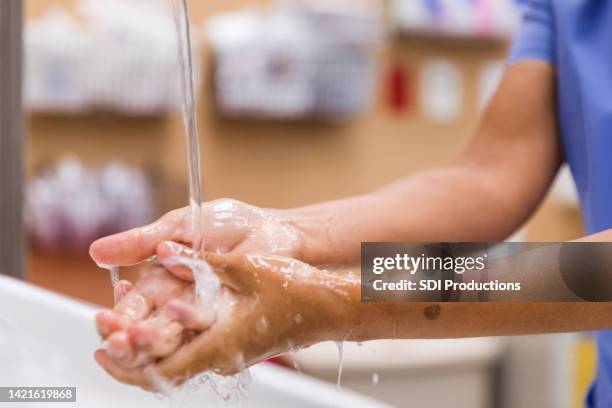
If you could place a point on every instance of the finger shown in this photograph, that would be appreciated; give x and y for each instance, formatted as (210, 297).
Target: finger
(160, 334)
(153, 290)
(194, 318)
(157, 337)
(172, 256)
(123, 288)
(122, 374)
(137, 245)
(166, 331)
(133, 306)
(233, 270)
(206, 352)
(109, 322)
(169, 254)
(158, 286)
(120, 348)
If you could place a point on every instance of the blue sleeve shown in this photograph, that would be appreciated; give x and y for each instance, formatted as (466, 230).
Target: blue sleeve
(536, 38)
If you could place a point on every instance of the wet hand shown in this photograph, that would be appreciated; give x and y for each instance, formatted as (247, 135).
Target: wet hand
(142, 326)
(230, 225)
(267, 305)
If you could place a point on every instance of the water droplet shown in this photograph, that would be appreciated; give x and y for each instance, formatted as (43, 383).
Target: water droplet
(298, 318)
(375, 378)
(263, 323)
(340, 346)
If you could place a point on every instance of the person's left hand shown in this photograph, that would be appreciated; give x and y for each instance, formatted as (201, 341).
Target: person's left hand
(267, 305)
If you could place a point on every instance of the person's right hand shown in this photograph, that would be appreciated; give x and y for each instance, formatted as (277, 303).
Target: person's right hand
(230, 227)
(264, 306)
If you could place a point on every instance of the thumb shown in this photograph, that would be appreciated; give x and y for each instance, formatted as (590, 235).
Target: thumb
(136, 245)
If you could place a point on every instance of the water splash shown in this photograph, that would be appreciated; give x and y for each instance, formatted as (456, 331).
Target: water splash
(226, 388)
(209, 293)
(207, 283)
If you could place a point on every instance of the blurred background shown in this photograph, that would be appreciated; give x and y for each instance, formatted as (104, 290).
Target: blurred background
(298, 102)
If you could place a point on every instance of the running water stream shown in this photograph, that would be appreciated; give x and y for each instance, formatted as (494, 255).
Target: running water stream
(192, 142)
(340, 346)
(207, 285)
(206, 282)
(115, 280)
(186, 73)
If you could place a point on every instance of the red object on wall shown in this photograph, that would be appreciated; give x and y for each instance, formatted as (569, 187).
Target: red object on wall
(398, 85)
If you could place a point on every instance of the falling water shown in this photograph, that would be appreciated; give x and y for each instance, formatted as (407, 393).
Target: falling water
(340, 346)
(183, 33)
(115, 280)
(207, 285)
(375, 378)
(187, 81)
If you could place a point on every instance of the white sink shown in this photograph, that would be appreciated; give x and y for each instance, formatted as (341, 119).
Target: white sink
(48, 340)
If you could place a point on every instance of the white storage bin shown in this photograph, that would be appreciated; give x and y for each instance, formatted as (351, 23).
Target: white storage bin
(294, 62)
(122, 57)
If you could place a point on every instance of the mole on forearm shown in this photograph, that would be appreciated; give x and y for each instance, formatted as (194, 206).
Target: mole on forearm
(432, 312)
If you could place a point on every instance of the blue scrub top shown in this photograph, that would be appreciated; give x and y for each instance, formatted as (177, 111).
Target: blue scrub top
(576, 36)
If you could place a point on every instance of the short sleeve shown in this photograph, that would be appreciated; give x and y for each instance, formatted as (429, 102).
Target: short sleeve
(536, 37)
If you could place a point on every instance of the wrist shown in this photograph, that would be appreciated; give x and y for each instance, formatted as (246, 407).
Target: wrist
(330, 233)
(321, 307)
(339, 306)
(314, 231)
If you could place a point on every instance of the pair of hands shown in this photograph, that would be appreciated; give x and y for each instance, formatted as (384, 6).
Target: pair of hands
(268, 303)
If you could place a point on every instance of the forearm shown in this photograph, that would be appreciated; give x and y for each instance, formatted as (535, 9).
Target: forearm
(455, 320)
(540, 276)
(362, 321)
(455, 203)
(483, 196)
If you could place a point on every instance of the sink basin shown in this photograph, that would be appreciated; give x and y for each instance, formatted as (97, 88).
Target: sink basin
(48, 340)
